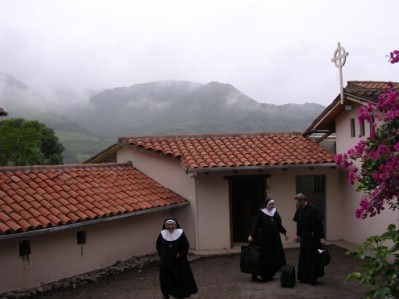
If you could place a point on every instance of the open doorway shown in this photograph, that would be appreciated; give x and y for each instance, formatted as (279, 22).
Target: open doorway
(247, 194)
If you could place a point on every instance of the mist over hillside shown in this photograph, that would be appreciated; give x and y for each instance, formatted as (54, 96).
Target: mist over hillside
(86, 127)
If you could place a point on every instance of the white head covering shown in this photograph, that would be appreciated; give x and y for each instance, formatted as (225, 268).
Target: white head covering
(267, 211)
(171, 236)
(169, 221)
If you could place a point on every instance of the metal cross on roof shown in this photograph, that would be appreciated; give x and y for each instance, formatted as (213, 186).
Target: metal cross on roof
(339, 60)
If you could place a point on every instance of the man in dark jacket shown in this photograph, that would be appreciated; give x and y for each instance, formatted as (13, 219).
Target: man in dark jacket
(310, 234)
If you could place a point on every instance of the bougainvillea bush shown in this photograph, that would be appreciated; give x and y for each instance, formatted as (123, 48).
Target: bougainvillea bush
(378, 175)
(374, 170)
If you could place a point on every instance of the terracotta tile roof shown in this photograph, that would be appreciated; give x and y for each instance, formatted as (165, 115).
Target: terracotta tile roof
(362, 91)
(367, 90)
(37, 197)
(235, 150)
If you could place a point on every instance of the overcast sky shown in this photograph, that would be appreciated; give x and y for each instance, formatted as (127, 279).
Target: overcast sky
(275, 51)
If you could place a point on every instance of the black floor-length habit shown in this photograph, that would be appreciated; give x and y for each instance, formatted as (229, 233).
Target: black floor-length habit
(266, 229)
(176, 276)
(310, 230)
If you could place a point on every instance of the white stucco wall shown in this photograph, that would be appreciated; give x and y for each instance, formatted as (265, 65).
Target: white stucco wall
(57, 255)
(283, 188)
(213, 212)
(169, 173)
(356, 230)
(344, 141)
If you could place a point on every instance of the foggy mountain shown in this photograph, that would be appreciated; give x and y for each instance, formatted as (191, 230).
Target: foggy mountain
(176, 107)
(155, 108)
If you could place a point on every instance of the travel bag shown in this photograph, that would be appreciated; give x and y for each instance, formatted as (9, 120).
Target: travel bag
(249, 259)
(287, 276)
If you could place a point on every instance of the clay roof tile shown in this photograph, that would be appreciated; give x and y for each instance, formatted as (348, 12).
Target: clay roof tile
(234, 150)
(40, 197)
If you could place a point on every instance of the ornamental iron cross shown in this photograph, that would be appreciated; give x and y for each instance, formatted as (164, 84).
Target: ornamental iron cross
(339, 60)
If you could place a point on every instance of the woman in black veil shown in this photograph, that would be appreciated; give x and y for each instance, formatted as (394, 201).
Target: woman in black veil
(176, 276)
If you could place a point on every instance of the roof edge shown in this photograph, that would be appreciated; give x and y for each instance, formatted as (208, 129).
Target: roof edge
(90, 222)
(266, 167)
(109, 150)
(330, 108)
(60, 166)
(124, 139)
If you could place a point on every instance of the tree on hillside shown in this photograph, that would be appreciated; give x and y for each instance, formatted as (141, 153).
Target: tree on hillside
(378, 178)
(24, 142)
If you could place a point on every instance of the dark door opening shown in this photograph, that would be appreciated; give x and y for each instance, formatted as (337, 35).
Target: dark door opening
(314, 188)
(246, 196)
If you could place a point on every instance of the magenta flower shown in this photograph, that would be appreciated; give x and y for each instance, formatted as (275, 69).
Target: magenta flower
(394, 57)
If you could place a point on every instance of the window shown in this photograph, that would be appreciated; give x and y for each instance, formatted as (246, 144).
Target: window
(319, 183)
(24, 250)
(372, 124)
(352, 124)
(362, 128)
(81, 237)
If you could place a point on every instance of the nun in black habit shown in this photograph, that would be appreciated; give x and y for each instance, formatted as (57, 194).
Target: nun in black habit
(265, 232)
(176, 277)
(310, 234)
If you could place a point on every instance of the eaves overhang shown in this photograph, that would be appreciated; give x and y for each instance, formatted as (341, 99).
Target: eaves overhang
(326, 120)
(103, 154)
(89, 222)
(325, 116)
(258, 168)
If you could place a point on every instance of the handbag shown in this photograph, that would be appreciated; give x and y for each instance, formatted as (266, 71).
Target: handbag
(323, 257)
(249, 259)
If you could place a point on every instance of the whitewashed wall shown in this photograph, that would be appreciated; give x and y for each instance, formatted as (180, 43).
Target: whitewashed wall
(213, 212)
(356, 230)
(57, 255)
(283, 189)
(169, 173)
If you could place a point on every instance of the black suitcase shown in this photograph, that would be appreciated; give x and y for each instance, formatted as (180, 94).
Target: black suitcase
(287, 277)
(249, 259)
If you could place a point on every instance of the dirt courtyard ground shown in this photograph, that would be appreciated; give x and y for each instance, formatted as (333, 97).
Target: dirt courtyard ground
(220, 277)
